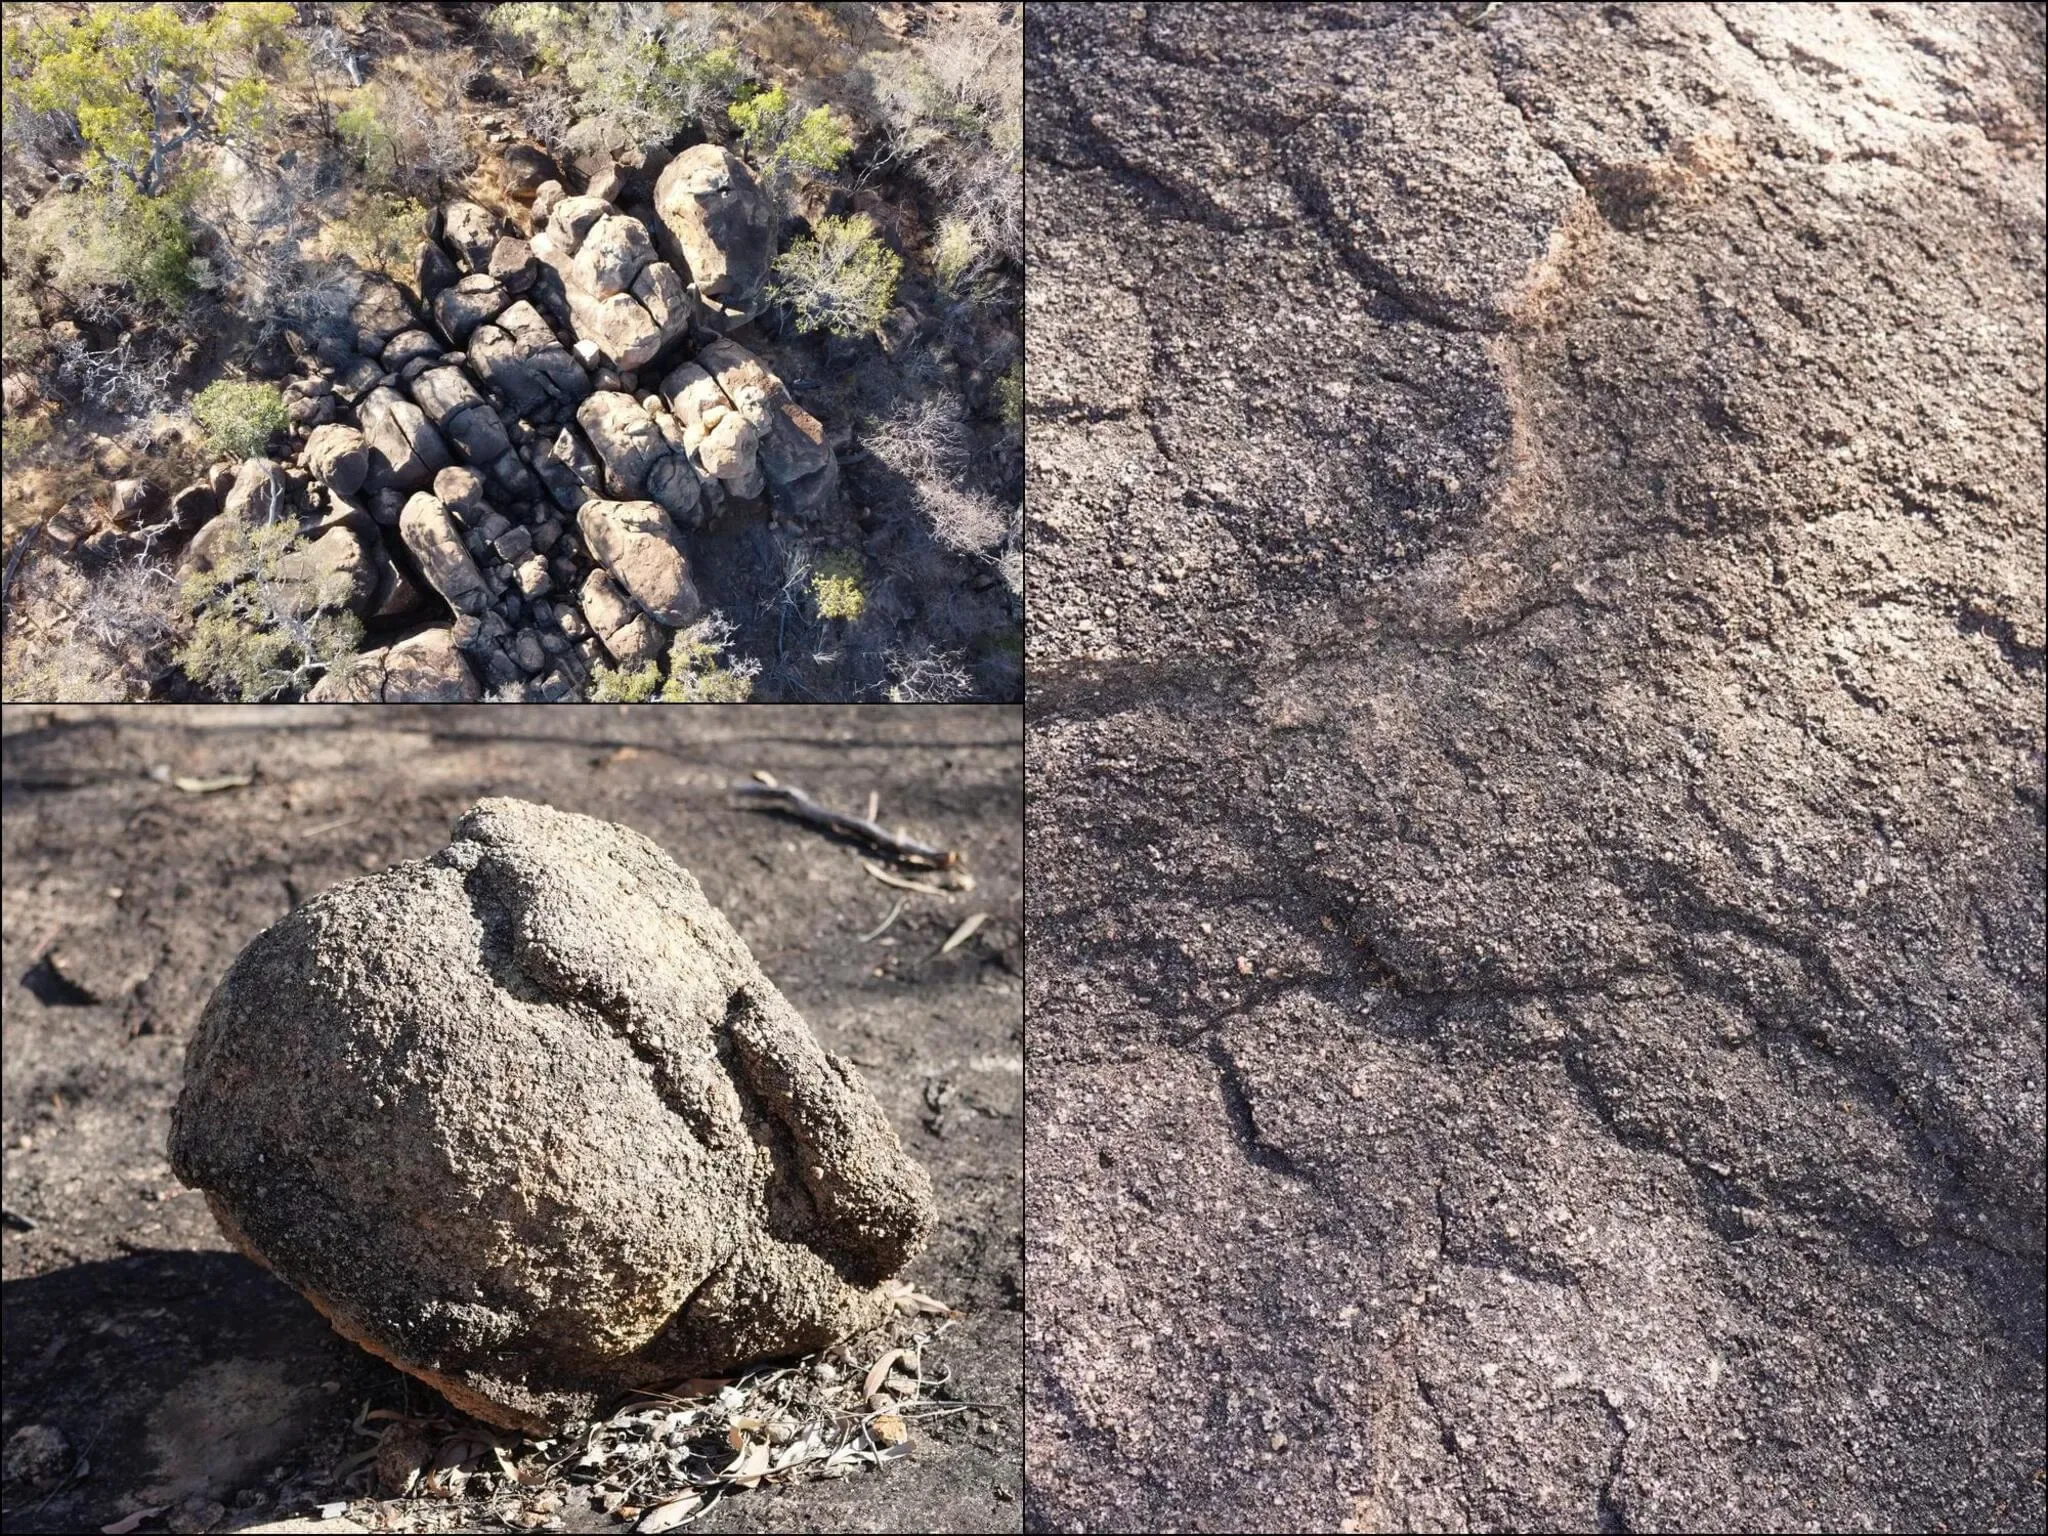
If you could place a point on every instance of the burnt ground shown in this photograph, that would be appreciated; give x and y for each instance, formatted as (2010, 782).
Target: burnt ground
(1536, 758)
(182, 1371)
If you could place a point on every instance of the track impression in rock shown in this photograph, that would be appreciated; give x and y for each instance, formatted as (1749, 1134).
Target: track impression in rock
(527, 1119)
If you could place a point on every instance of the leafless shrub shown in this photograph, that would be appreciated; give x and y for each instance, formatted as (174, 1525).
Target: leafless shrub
(76, 638)
(547, 114)
(128, 610)
(927, 677)
(969, 521)
(429, 143)
(922, 439)
(330, 48)
(128, 378)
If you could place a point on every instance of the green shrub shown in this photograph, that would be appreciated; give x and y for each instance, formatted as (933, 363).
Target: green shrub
(380, 231)
(698, 672)
(836, 590)
(778, 138)
(136, 83)
(255, 632)
(615, 685)
(150, 248)
(1010, 395)
(954, 252)
(645, 72)
(842, 279)
(239, 417)
(365, 136)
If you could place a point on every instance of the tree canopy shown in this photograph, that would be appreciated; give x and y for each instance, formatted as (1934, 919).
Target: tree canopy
(135, 85)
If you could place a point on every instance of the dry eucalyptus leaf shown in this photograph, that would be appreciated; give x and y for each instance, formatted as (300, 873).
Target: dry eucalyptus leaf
(127, 1523)
(879, 1373)
(666, 1517)
(751, 1465)
(889, 1429)
(964, 932)
(209, 786)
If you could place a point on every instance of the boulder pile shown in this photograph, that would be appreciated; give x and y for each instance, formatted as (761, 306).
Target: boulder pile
(490, 453)
(526, 1119)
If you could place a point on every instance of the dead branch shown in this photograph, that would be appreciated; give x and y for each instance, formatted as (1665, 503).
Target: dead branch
(799, 806)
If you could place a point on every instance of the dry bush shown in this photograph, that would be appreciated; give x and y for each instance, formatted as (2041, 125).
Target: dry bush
(923, 438)
(927, 677)
(969, 521)
(80, 638)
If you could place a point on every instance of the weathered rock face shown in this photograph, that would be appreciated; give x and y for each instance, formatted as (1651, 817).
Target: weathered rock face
(424, 668)
(525, 169)
(405, 450)
(622, 299)
(636, 542)
(339, 456)
(337, 568)
(260, 494)
(722, 443)
(639, 460)
(131, 502)
(470, 231)
(722, 226)
(689, 1183)
(802, 475)
(436, 543)
(380, 312)
(1545, 845)
(461, 309)
(520, 356)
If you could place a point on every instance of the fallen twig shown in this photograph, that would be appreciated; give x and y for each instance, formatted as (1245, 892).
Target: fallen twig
(883, 927)
(795, 803)
(15, 556)
(901, 884)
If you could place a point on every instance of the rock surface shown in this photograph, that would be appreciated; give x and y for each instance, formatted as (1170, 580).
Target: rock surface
(619, 297)
(721, 225)
(638, 544)
(339, 456)
(435, 540)
(1537, 761)
(691, 1182)
(793, 456)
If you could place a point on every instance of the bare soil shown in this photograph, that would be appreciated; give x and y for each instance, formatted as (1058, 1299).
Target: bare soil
(181, 1371)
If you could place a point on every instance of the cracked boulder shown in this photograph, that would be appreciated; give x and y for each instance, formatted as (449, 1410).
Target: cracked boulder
(637, 543)
(794, 457)
(719, 226)
(620, 297)
(381, 310)
(339, 457)
(405, 451)
(1537, 745)
(467, 420)
(435, 539)
(639, 459)
(519, 355)
(526, 1119)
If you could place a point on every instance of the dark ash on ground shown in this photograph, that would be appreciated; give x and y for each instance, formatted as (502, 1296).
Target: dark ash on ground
(180, 1370)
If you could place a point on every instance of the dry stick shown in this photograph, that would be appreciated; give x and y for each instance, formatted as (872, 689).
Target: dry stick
(795, 803)
(14, 559)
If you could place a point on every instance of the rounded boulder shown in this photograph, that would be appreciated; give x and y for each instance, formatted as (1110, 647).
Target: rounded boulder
(527, 1119)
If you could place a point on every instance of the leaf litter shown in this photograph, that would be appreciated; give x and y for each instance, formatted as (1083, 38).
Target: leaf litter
(664, 1459)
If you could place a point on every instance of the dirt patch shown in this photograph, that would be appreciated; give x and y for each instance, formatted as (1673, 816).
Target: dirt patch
(180, 1370)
